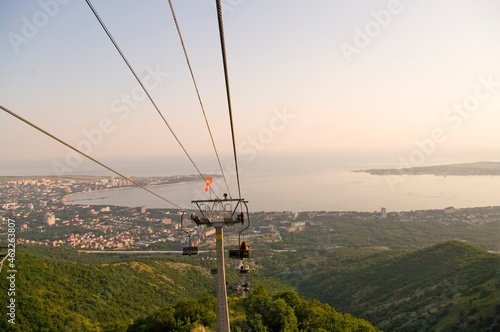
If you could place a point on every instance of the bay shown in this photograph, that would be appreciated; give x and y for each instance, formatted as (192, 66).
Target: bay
(322, 188)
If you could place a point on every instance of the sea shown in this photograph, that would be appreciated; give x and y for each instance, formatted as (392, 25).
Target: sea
(305, 183)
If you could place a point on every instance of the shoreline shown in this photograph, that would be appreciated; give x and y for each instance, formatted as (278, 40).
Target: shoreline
(66, 197)
(366, 194)
(488, 168)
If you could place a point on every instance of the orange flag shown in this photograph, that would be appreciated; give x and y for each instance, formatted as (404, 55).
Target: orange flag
(208, 182)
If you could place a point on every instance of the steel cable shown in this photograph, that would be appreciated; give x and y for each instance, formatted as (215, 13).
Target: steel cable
(144, 88)
(198, 94)
(85, 155)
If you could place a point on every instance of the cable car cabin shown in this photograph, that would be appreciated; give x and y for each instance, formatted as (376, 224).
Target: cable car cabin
(239, 254)
(244, 270)
(242, 253)
(192, 250)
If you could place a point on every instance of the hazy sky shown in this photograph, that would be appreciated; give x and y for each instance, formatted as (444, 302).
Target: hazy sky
(418, 80)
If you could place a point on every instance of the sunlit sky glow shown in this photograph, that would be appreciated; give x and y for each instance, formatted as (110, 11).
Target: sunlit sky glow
(284, 56)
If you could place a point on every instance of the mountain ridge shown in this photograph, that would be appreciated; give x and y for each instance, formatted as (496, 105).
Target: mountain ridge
(417, 287)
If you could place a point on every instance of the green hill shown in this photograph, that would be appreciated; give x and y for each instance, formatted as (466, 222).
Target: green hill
(260, 312)
(448, 287)
(59, 289)
(64, 295)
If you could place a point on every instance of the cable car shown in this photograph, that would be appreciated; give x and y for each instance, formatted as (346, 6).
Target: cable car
(241, 253)
(244, 269)
(190, 249)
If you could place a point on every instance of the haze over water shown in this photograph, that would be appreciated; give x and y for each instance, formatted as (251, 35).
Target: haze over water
(305, 185)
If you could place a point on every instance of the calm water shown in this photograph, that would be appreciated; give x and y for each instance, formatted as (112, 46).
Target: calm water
(325, 187)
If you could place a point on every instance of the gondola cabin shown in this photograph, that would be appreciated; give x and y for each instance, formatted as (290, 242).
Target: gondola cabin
(241, 253)
(244, 269)
(191, 250)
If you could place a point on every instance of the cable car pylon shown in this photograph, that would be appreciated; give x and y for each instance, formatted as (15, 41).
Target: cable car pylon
(219, 213)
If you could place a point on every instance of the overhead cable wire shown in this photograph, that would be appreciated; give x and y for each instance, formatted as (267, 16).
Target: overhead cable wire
(198, 93)
(224, 60)
(85, 155)
(144, 88)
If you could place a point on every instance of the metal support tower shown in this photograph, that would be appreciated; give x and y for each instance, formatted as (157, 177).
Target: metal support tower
(219, 213)
(222, 310)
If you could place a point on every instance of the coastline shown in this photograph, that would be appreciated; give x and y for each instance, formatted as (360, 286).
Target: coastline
(464, 169)
(66, 197)
(338, 191)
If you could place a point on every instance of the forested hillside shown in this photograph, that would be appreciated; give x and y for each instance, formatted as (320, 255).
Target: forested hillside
(449, 287)
(61, 290)
(452, 286)
(260, 312)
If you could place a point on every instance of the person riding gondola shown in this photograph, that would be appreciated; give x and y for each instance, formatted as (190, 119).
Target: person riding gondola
(244, 269)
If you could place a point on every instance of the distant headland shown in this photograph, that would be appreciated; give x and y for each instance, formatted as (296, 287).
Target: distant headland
(464, 169)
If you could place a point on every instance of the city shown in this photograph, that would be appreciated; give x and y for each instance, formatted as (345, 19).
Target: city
(38, 206)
